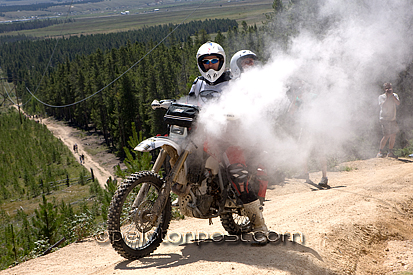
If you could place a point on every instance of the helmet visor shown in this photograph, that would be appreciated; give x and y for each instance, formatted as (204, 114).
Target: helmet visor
(202, 61)
(246, 60)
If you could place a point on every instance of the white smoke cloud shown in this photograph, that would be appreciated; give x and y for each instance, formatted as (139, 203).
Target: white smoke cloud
(369, 43)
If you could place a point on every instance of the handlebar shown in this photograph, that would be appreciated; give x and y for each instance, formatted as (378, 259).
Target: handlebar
(166, 103)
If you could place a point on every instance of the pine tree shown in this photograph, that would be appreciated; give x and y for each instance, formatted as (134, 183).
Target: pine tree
(25, 235)
(46, 221)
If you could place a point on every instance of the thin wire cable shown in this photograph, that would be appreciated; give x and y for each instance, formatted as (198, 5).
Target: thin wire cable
(117, 78)
(8, 93)
(50, 59)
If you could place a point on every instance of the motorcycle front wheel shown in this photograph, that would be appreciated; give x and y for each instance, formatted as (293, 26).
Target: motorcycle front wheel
(132, 233)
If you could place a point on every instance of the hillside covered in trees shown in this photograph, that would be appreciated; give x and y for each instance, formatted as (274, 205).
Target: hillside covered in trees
(46, 196)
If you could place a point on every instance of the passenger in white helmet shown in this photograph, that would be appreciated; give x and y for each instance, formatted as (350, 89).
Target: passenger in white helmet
(242, 61)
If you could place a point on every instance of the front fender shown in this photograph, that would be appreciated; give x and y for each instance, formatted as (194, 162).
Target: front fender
(156, 142)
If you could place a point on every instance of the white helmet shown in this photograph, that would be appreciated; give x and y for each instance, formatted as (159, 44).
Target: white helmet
(211, 48)
(235, 64)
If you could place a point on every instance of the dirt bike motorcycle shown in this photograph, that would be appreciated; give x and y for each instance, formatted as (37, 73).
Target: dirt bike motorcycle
(140, 210)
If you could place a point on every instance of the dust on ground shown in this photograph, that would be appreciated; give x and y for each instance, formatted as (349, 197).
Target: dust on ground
(363, 225)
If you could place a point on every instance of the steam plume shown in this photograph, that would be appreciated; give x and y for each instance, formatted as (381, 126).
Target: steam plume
(343, 62)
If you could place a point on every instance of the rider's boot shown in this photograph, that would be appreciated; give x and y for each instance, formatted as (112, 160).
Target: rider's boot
(253, 211)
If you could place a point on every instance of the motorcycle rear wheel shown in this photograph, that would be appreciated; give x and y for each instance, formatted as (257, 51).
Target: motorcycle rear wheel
(130, 231)
(235, 224)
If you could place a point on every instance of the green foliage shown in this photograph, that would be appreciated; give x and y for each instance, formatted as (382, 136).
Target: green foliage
(104, 196)
(31, 158)
(87, 64)
(404, 152)
(11, 243)
(36, 163)
(25, 240)
(176, 213)
(278, 6)
(36, 6)
(33, 24)
(46, 221)
(134, 161)
(407, 147)
(82, 180)
(39, 247)
(83, 225)
(346, 168)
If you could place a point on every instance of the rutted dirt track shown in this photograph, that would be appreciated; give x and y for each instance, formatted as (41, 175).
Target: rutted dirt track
(364, 225)
(101, 163)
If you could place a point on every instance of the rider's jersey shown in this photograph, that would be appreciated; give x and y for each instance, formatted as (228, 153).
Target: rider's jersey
(202, 90)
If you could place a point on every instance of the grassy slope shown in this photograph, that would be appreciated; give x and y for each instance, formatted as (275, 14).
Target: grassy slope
(104, 21)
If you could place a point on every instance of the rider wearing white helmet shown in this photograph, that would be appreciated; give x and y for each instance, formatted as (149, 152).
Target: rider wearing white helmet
(211, 64)
(242, 60)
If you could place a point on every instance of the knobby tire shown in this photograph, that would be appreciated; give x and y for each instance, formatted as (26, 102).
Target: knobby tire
(235, 224)
(124, 229)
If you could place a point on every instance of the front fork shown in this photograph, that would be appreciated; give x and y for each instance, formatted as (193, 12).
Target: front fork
(143, 191)
(163, 195)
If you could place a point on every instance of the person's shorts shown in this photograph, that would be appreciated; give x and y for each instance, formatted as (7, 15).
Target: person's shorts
(389, 127)
(312, 140)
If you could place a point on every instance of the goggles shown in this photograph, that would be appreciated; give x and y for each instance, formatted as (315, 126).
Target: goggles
(212, 61)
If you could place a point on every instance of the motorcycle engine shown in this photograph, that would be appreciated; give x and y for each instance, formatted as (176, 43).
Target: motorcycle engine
(202, 200)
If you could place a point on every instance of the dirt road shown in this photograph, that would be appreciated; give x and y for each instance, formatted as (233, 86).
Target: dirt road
(102, 163)
(71, 136)
(361, 226)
